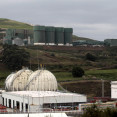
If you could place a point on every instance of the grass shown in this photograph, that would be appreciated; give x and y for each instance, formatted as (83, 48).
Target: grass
(103, 74)
(89, 75)
(6, 23)
(65, 76)
(3, 75)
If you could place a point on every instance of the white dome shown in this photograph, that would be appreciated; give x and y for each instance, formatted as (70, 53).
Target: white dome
(17, 81)
(9, 80)
(42, 80)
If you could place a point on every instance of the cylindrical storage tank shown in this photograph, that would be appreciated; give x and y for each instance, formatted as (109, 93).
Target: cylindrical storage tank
(59, 35)
(39, 34)
(68, 35)
(50, 35)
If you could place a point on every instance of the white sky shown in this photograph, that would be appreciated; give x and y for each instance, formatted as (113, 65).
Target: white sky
(96, 19)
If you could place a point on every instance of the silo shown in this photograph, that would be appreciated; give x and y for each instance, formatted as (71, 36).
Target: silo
(39, 34)
(59, 35)
(50, 35)
(68, 35)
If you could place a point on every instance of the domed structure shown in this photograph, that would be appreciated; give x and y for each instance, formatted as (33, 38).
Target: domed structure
(17, 81)
(42, 80)
(8, 81)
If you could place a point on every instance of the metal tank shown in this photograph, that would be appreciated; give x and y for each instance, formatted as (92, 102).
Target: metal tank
(39, 34)
(50, 35)
(68, 35)
(59, 35)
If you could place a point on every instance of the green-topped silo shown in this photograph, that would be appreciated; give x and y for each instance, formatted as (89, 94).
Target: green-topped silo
(59, 35)
(49, 35)
(39, 34)
(68, 35)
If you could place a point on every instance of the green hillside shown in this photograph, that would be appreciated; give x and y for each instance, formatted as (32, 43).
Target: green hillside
(7, 23)
(74, 38)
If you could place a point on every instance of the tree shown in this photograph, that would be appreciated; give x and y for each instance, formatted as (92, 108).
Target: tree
(14, 57)
(90, 57)
(77, 71)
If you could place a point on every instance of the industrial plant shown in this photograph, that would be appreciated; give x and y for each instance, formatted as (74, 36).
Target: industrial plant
(40, 35)
(48, 35)
(28, 91)
(38, 91)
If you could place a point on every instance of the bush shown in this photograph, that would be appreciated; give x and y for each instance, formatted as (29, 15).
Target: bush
(53, 54)
(77, 71)
(94, 111)
(90, 57)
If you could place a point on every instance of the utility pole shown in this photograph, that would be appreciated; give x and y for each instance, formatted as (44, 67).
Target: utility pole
(102, 87)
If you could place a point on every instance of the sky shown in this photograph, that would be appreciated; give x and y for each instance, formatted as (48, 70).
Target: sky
(95, 19)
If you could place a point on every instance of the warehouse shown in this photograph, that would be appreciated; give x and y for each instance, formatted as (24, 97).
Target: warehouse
(40, 100)
(110, 42)
(37, 91)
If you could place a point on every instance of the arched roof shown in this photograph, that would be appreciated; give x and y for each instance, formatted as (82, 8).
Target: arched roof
(42, 80)
(17, 81)
(8, 81)
(25, 79)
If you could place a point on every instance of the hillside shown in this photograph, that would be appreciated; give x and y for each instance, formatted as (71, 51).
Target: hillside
(74, 38)
(7, 23)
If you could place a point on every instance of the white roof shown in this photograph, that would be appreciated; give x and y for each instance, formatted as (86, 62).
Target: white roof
(9, 80)
(42, 80)
(42, 93)
(25, 79)
(113, 82)
(17, 81)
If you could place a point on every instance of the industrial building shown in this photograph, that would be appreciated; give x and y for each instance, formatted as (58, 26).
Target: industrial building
(2, 33)
(110, 42)
(40, 35)
(87, 43)
(18, 36)
(37, 91)
(114, 89)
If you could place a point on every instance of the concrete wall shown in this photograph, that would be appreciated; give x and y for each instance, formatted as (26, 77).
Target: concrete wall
(114, 90)
(0, 98)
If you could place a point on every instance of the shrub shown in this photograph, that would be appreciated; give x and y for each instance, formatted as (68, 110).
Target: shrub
(53, 54)
(94, 111)
(77, 71)
(90, 57)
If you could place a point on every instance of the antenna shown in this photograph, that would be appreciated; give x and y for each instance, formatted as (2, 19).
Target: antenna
(37, 56)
